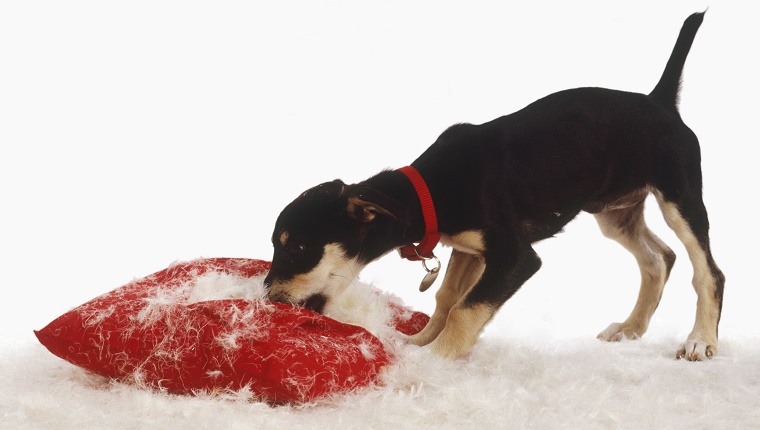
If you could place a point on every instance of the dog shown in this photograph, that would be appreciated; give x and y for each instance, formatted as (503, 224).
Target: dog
(497, 188)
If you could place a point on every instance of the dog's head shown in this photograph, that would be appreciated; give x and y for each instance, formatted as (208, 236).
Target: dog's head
(325, 237)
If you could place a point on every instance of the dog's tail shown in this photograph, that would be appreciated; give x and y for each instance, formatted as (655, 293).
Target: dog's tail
(666, 91)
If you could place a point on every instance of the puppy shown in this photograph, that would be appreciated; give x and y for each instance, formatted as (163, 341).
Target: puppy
(499, 187)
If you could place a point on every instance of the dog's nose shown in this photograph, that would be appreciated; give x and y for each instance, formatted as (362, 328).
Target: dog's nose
(273, 296)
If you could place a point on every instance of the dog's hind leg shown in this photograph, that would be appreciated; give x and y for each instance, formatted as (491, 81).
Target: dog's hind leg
(687, 217)
(462, 273)
(655, 259)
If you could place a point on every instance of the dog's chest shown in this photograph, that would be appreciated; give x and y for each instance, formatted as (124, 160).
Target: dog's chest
(469, 241)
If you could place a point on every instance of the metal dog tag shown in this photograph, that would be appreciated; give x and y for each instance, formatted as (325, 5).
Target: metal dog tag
(431, 274)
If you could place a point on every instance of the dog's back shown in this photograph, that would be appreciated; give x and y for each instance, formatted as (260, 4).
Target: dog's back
(570, 151)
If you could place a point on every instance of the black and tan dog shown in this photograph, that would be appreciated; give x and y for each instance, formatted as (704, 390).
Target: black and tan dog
(499, 187)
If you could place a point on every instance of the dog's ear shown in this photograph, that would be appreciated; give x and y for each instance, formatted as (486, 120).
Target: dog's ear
(366, 205)
(365, 211)
(328, 190)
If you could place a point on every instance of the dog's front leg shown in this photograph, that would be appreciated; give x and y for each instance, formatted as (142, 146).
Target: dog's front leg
(461, 274)
(504, 273)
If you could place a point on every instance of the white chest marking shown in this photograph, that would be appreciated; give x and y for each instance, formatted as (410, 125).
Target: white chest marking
(469, 241)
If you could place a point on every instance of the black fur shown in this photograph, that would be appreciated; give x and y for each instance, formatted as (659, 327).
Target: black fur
(517, 179)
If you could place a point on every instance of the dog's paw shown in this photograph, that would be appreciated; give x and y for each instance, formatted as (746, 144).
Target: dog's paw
(448, 350)
(697, 350)
(419, 339)
(617, 332)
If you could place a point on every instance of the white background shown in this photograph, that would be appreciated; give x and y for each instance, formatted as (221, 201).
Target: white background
(134, 134)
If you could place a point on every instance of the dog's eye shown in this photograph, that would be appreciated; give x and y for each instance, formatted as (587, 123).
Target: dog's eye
(296, 250)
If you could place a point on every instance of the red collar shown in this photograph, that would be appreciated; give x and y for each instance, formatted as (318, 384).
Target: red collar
(431, 238)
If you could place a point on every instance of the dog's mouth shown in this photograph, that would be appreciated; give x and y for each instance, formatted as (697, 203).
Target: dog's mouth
(315, 303)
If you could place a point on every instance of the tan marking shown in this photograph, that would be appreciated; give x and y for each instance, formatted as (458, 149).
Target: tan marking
(627, 227)
(704, 333)
(284, 237)
(469, 241)
(365, 211)
(463, 326)
(462, 273)
(628, 200)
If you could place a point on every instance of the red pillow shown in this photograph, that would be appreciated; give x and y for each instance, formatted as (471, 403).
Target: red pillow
(149, 332)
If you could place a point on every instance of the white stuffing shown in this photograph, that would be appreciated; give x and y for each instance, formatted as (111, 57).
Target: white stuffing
(362, 304)
(221, 286)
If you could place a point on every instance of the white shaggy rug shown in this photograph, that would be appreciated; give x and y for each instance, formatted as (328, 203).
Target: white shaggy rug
(505, 382)
(577, 384)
